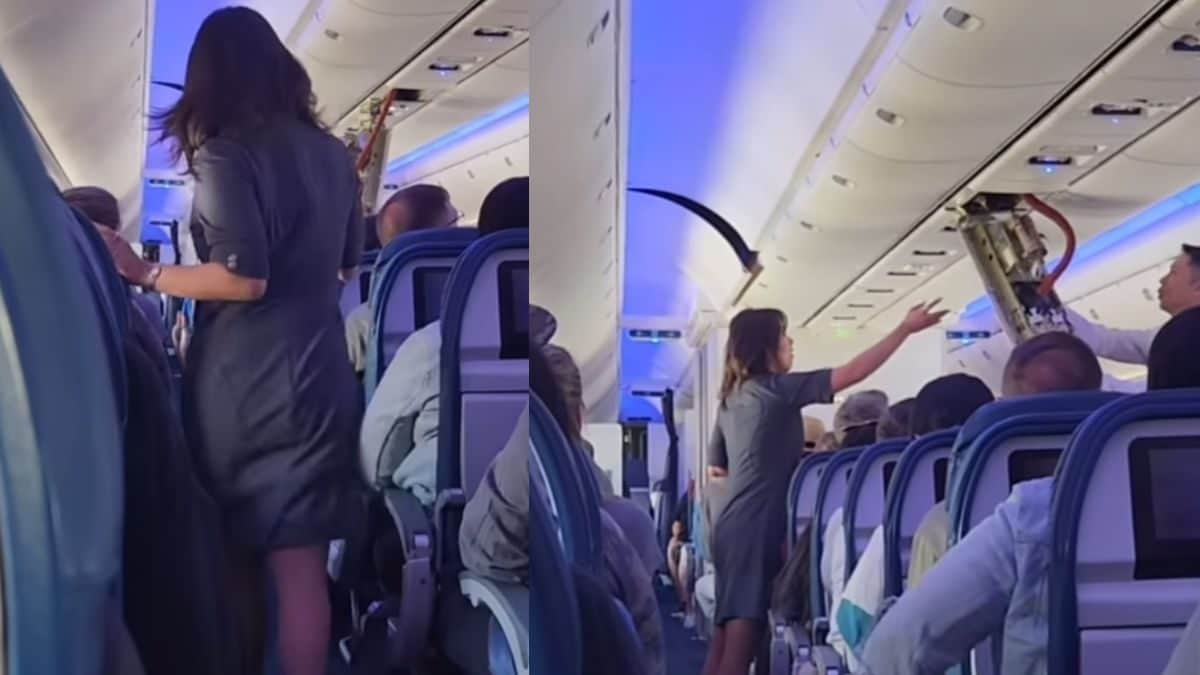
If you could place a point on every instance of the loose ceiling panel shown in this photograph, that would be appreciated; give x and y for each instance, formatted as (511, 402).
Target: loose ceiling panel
(79, 69)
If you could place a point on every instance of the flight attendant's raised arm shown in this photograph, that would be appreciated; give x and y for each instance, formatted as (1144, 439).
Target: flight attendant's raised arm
(862, 366)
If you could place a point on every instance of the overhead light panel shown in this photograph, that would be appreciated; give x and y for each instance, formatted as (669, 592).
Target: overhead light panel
(888, 117)
(1187, 44)
(493, 32)
(962, 20)
(1118, 110)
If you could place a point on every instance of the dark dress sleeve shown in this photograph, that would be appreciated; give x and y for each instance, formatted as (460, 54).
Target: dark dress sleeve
(227, 207)
(356, 230)
(801, 389)
(717, 456)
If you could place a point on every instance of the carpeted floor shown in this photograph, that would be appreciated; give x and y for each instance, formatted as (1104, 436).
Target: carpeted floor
(685, 653)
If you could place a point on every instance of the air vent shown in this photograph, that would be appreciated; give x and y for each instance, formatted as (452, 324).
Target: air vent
(809, 226)
(845, 318)
(1118, 110)
(880, 291)
(843, 181)
(445, 67)
(332, 34)
(648, 393)
(493, 33)
(648, 335)
(962, 20)
(781, 259)
(929, 253)
(1187, 44)
(859, 305)
(901, 273)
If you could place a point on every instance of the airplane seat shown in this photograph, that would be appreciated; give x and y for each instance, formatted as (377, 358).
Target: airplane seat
(919, 482)
(831, 495)
(554, 608)
(356, 289)
(1125, 570)
(60, 483)
(407, 289)
(866, 496)
(790, 641)
(1004, 443)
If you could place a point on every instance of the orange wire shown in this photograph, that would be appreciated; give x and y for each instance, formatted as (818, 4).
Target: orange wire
(365, 157)
(1047, 285)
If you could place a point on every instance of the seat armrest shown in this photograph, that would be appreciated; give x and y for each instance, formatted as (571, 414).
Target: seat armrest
(509, 604)
(447, 518)
(408, 627)
(827, 660)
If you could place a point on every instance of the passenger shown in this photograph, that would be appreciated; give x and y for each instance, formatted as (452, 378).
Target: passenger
(410, 387)
(943, 403)
(101, 207)
(989, 582)
(270, 401)
(757, 420)
(416, 207)
(827, 443)
(896, 421)
(814, 429)
(680, 537)
(1178, 291)
(855, 421)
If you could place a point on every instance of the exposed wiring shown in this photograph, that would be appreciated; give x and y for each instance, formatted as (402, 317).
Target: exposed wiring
(380, 120)
(1047, 285)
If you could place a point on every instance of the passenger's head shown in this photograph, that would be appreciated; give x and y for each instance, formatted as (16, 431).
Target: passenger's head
(855, 421)
(947, 402)
(98, 204)
(570, 382)
(542, 324)
(544, 384)
(827, 443)
(1179, 290)
(758, 344)
(896, 421)
(814, 429)
(239, 77)
(1051, 362)
(1173, 354)
(416, 207)
(506, 207)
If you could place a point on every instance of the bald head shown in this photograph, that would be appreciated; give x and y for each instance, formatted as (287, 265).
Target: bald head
(416, 207)
(1051, 362)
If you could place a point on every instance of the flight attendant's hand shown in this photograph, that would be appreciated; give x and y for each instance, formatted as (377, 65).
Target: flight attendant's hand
(922, 316)
(129, 264)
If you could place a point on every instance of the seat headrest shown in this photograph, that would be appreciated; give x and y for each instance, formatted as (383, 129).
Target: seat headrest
(576, 503)
(444, 235)
(1063, 401)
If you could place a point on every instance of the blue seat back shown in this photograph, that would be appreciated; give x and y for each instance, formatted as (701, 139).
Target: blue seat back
(867, 495)
(802, 494)
(831, 494)
(570, 486)
(1023, 441)
(556, 635)
(356, 290)
(485, 357)
(917, 484)
(60, 447)
(1125, 570)
(407, 289)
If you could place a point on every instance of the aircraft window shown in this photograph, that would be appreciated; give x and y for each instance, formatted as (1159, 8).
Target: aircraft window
(940, 467)
(514, 309)
(1163, 475)
(889, 468)
(428, 284)
(1026, 465)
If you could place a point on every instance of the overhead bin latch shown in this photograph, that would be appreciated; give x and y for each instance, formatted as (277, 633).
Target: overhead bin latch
(1010, 254)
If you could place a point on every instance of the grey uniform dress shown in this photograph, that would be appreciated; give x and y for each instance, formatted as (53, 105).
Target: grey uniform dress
(271, 403)
(758, 437)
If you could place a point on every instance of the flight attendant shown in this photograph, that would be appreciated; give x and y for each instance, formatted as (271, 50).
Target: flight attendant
(271, 403)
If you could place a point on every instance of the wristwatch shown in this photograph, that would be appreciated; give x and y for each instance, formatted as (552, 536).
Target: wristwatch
(151, 277)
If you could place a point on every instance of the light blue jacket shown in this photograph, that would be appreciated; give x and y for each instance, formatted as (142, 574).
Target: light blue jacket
(993, 582)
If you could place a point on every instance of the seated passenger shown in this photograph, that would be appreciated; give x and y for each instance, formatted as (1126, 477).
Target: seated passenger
(498, 546)
(680, 521)
(995, 578)
(411, 385)
(944, 402)
(416, 207)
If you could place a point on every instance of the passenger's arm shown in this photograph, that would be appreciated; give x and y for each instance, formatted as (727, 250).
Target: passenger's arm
(210, 281)
(862, 366)
(1116, 344)
(962, 600)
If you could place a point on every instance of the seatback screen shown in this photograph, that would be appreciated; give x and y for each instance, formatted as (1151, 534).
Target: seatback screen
(940, 468)
(1026, 465)
(514, 309)
(1163, 477)
(428, 285)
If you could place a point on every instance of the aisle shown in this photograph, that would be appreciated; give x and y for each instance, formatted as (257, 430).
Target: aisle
(685, 653)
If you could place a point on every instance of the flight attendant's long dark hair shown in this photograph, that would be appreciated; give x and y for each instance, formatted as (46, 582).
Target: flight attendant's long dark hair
(239, 77)
(752, 347)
